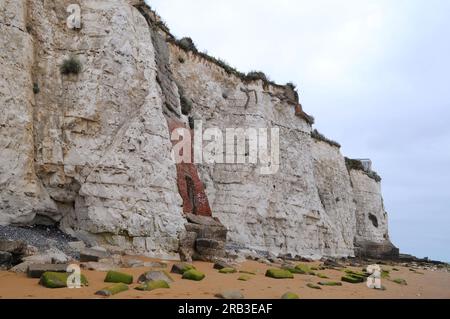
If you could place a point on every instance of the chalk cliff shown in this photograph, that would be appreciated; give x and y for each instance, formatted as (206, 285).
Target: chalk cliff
(91, 151)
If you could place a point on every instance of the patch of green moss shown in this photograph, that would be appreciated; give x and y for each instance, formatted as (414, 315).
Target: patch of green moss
(385, 274)
(400, 281)
(118, 277)
(279, 274)
(112, 290)
(322, 276)
(244, 278)
(330, 283)
(352, 279)
(71, 66)
(152, 285)
(290, 295)
(313, 286)
(58, 280)
(227, 271)
(193, 275)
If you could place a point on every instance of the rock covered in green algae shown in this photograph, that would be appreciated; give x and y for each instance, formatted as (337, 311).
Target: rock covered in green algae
(313, 286)
(322, 276)
(152, 285)
(330, 283)
(112, 290)
(279, 274)
(58, 280)
(181, 268)
(155, 275)
(193, 275)
(304, 269)
(244, 278)
(290, 295)
(118, 277)
(227, 271)
(352, 279)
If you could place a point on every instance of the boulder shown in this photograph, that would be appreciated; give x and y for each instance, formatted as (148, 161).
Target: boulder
(187, 245)
(58, 280)
(15, 247)
(152, 285)
(99, 266)
(77, 245)
(230, 294)
(313, 286)
(181, 268)
(304, 269)
(290, 295)
(227, 271)
(155, 275)
(118, 277)
(5, 259)
(93, 254)
(37, 270)
(132, 263)
(221, 264)
(112, 290)
(279, 274)
(193, 275)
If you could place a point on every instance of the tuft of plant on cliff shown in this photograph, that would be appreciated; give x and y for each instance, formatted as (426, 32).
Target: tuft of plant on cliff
(187, 44)
(318, 136)
(71, 66)
(256, 75)
(357, 165)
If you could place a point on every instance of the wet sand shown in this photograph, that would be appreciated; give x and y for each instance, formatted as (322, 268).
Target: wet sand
(430, 284)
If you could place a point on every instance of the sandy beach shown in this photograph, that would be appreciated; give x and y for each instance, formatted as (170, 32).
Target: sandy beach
(424, 285)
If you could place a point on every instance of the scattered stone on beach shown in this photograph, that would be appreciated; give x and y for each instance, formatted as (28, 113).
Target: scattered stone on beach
(248, 272)
(322, 276)
(118, 277)
(330, 263)
(51, 256)
(112, 290)
(313, 286)
(221, 265)
(193, 275)
(93, 254)
(99, 266)
(155, 275)
(181, 268)
(330, 283)
(227, 271)
(290, 295)
(5, 259)
(58, 280)
(132, 263)
(304, 269)
(244, 278)
(279, 274)
(400, 281)
(152, 285)
(352, 279)
(37, 270)
(155, 264)
(230, 295)
(291, 268)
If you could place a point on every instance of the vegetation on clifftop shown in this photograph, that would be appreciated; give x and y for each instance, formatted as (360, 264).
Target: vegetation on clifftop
(357, 165)
(318, 136)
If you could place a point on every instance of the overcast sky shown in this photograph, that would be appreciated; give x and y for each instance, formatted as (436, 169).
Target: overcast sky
(374, 74)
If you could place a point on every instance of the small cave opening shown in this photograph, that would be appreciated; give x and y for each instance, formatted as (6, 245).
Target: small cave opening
(374, 220)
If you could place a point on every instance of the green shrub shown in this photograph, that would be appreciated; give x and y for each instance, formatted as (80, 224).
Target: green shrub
(318, 136)
(193, 275)
(187, 44)
(71, 66)
(256, 75)
(279, 274)
(118, 277)
(112, 290)
(152, 285)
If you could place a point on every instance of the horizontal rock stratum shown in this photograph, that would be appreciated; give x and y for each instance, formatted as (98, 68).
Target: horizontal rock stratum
(88, 147)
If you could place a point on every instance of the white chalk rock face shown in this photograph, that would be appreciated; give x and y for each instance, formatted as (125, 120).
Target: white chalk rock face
(92, 150)
(336, 193)
(280, 213)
